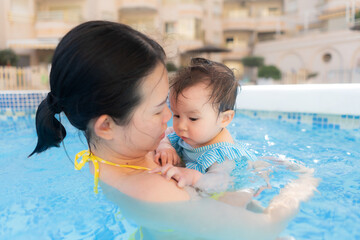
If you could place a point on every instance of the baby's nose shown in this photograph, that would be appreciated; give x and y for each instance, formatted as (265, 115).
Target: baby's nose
(182, 125)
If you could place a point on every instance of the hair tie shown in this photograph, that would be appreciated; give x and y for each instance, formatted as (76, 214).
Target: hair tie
(53, 103)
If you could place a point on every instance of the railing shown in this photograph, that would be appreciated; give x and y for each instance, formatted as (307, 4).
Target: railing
(299, 77)
(70, 16)
(145, 4)
(329, 76)
(27, 78)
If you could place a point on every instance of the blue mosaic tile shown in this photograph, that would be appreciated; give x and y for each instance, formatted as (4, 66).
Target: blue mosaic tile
(20, 101)
(17, 105)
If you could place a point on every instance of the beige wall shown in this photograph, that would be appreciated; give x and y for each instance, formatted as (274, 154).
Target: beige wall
(308, 53)
(3, 24)
(17, 20)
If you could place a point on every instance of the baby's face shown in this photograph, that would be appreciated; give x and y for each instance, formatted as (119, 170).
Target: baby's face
(194, 118)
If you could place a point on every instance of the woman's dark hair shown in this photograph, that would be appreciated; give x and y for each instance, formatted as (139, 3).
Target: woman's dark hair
(220, 78)
(97, 69)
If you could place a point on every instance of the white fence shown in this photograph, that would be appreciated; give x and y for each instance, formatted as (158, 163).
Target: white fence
(27, 78)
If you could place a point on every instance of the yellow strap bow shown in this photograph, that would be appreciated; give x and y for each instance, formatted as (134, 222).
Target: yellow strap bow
(86, 156)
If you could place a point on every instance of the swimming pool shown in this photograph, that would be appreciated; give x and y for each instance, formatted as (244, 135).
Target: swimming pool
(45, 198)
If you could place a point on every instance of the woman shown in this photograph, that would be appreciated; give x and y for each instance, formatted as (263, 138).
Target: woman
(110, 81)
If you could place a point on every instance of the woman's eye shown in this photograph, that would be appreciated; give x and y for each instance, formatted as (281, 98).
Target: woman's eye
(193, 119)
(176, 116)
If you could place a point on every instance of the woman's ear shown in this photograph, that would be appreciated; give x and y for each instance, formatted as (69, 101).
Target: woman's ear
(226, 117)
(103, 127)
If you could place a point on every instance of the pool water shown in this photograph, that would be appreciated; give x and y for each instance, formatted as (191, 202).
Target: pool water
(43, 197)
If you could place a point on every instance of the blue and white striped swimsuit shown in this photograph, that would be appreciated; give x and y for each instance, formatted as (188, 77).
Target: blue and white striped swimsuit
(203, 157)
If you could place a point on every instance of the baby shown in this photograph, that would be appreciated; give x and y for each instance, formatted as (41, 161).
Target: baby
(202, 99)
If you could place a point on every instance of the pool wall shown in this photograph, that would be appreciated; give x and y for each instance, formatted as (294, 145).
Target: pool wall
(14, 104)
(322, 106)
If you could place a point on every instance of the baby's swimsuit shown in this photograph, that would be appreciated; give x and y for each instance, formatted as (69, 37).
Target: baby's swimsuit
(202, 158)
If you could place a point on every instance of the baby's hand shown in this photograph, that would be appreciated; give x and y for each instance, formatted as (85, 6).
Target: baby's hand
(183, 176)
(165, 155)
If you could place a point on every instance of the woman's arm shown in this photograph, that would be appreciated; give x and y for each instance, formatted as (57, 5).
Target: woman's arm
(204, 218)
(151, 187)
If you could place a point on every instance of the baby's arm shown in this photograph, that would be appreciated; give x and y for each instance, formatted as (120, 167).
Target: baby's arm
(165, 153)
(183, 176)
(190, 177)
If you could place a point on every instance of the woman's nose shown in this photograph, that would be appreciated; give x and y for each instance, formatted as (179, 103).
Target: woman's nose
(167, 114)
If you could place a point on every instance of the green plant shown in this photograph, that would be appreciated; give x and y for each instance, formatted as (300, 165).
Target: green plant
(252, 61)
(357, 15)
(8, 57)
(311, 75)
(171, 67)
(269, 71)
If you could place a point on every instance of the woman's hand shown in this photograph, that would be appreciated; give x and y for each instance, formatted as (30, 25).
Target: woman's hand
(183, 176)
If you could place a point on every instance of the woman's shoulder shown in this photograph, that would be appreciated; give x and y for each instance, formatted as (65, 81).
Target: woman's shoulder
(152, 187)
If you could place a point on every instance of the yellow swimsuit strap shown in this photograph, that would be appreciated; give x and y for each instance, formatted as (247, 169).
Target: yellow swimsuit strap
(86, 156)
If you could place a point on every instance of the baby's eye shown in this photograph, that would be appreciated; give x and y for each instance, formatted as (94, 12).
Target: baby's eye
(176, 116)
(193, 119)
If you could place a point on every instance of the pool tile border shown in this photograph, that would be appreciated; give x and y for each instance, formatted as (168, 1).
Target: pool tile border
(325, 121)
(23, 104)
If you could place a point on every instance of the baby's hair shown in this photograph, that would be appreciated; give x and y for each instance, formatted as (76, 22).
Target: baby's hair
(220, 78)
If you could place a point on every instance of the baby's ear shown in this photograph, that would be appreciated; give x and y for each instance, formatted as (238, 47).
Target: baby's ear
(226, 117)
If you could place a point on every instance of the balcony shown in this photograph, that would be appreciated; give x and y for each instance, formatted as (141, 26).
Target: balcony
(55, 24)
(264, 24)
(192, 10)
(236, 53)
(186, 45)
(20, 17)
(335, 9)
(139, 6)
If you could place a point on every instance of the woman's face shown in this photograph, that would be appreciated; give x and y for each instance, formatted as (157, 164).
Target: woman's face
(150, 118)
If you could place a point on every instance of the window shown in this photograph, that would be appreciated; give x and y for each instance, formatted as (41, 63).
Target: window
(229, 40)
(19, 6)
(190, 29)
(274, 11)
(327, 57)
(291, 6)
(236, 41)
(169, 27)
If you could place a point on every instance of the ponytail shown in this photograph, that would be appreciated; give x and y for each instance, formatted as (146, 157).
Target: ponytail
(49, 130)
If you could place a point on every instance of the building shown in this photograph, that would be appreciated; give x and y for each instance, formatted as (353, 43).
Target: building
(33, 27)
(302, 38)
(319, 44)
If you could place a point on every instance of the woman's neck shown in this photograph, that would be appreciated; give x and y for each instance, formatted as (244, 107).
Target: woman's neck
(110, 155)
